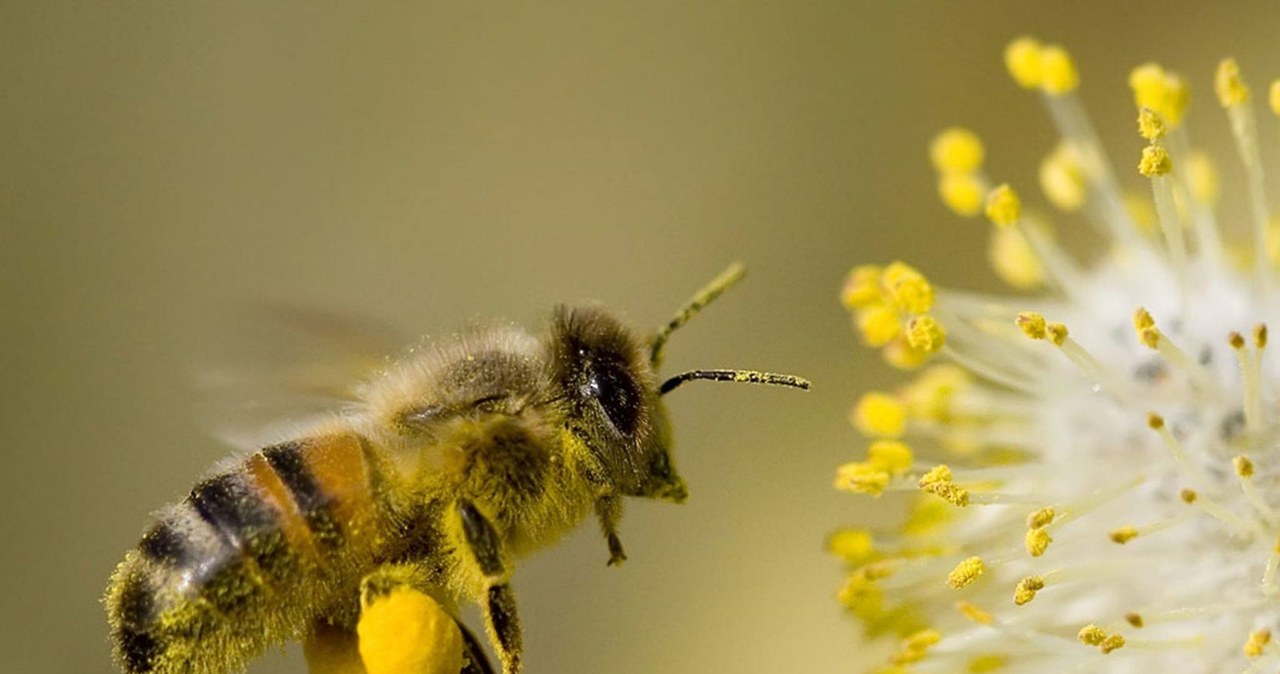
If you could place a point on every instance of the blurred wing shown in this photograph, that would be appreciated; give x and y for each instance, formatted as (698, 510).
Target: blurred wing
(285, 367)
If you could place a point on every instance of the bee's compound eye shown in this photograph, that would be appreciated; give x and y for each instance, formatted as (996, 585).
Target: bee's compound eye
(617, 394)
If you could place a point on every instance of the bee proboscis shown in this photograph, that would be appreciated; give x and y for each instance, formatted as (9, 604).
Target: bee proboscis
(459, 460)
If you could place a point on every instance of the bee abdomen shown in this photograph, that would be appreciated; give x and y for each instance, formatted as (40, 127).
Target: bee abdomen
(234, 566)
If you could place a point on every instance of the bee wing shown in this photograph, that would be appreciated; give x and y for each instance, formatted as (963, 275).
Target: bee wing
(285, 367)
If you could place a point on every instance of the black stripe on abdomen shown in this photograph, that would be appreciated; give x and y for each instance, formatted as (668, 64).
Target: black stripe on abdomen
(244, 520)
(289, 463)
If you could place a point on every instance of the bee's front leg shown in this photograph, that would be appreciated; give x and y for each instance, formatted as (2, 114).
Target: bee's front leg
(609, 511)
(500, 602)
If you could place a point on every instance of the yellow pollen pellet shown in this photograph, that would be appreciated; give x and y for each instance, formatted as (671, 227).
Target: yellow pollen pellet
(1188, 496)
(972, 612)
(1258, 640)
(1243, 466)
(1062, 178)
(890, 456)
(1111, 643)
(1022, 59)
(1260, 336)
(1091, 635)
(1123, 535)
(1041, 518)
(1057, 333)
(962, 193)
(1236, 340)
(1037, 541)
(1032, 324)
(1134, 619)
(1003, 206)
(907, 288)
(956, 150)
(878, 325)
(861, 287)
(1150, 337)
(1155, 161)
(1155, 422)
(1150, 126)
(880, 415)
(1027, 589)
(1058, 74)
(1229, 85)
(966, 572)
(926, 334)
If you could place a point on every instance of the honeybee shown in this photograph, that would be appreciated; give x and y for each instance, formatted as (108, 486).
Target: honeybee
(457, 461)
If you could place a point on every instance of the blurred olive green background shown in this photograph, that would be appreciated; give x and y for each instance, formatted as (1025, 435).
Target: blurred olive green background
(427, 165)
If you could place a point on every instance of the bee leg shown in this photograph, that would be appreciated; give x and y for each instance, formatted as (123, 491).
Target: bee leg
(398, 595)
(609, 511)
(500, 601)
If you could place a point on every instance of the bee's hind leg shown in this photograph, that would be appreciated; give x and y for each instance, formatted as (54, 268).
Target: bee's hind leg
(402, 626)
(609, 511)
(499, 602)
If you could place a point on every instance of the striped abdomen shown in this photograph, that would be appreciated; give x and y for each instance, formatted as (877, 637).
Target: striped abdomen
(249, 558)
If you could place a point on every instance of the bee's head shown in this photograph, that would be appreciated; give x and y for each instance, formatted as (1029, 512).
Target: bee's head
(609, 377)
(604, 372)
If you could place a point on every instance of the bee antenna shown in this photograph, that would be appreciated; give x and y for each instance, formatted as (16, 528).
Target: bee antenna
(744, 376)
(700, 299)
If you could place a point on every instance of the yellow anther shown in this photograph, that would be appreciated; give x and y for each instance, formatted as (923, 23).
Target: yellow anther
(1003, 206)
(1236, 340)
(1022, 59)
(1229, 85)
(929, 395)
(853, 546)
(907, 288)
(1258, 640)
(962, 193)
(1041, 518)
(1203, 176)
(1027, 589)
(1062, 178)
(1142, 319)
(1134, 619)
(879, 415)
(1260, 336)
(987, 663)
(1057, 71)
(1150, 337)
(1243, 466)
(972, 612)
(861, 287)
(878, 324)
(923, 639)
(938, 482)
(890, 455)
(861, 478)
(956, 150)
(1091, 635)
(1150, 126)
(1155, 161)
(1111, 643)
(1155, 421)
(1032, 324)
(927, 516)
(1273, 97)
(1037, 541)
(1122, 535)
(1057, 333)
(1013, 259)
(903, 356)
(926, 334)
(1188, 496)
(966, 572)
(1162, 91)
(939, 473)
